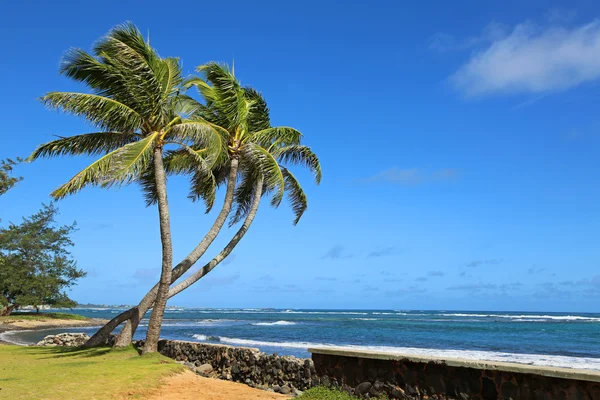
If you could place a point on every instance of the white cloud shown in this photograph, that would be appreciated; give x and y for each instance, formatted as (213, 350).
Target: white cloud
(533, 60)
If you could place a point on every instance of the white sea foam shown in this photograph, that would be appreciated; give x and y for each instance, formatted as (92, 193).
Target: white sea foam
(277, 323)
(531, 359)
(13, 337)
(528, 317)
(326, 312)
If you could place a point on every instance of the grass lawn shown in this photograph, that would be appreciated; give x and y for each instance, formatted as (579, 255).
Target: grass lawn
(69, 373)
(21, 316)
(323, 393)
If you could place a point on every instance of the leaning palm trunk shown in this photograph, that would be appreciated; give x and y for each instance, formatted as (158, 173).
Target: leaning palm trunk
(135, 314)
(155, 324)
(142, 308)
(227, 250)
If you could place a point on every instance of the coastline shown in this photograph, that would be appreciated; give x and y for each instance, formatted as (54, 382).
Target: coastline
(38, 325)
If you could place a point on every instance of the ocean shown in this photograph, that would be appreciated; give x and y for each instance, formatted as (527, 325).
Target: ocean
(552, 339)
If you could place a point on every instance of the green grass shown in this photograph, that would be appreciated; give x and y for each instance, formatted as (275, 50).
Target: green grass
(323, 393)
(58, 373)
(21, 316)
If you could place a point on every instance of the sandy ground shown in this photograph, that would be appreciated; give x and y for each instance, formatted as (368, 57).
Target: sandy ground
(189, 386)
(51, 323)
(18, 324)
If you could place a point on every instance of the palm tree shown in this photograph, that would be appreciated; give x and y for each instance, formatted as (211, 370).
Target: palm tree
(137, 106)
(256, 150)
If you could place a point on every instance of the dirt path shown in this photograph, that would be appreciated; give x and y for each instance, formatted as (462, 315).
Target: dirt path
(189, 386)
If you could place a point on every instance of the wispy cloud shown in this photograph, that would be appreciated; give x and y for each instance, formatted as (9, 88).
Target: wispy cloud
(413, 176)
(535, 270)
(287, 288)
(560, 15)
(336, 252)
(473, 287)
(145, 275)
(222, 280)
(382, 252)
(479, 263)
(405, 291)
(532, 59)
(228, 260)
(444, 42)
(421, 279)
(326, 278)
(550, 290)
(507, 287)
(435, 273)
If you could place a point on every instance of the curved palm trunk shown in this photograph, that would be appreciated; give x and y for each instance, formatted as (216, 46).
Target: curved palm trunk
(162, 294)
(227, 250)
(134, 315)
(215, 261)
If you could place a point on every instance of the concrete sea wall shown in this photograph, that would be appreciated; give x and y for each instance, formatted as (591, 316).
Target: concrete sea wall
(371, 374)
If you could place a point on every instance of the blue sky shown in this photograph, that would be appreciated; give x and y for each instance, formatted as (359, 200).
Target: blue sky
(459, 144)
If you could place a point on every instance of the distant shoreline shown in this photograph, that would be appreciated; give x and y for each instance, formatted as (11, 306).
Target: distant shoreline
(16, 325)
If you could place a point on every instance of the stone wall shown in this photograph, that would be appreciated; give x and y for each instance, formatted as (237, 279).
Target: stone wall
(282, 374)
(370, 374)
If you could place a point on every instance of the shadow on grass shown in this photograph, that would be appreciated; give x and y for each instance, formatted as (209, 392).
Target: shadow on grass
(61, 352)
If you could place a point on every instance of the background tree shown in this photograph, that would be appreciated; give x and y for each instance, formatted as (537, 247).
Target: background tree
(36, 266)
(7, 180)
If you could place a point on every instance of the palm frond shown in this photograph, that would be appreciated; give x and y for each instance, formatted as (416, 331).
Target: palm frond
(185, 105)
(223, 91)
(95, 174)
(103, 112)
(258, 118)
(125, 50)
(83, 67)
(147, 181)
(202, 136)
(131, 161)
(204, 187)
(276, 137)
(244, 193)
(170, 77)
(300, 155)
(295, 194)
(89, 143)
(273, 177)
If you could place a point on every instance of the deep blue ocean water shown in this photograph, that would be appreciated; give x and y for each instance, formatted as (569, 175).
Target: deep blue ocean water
(555, 339)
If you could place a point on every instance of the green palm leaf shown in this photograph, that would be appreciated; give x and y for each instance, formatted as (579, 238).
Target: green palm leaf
(102, 112)
(132, 160)
(95, 174)
(295, 194)
(244, 193)
(302, 155)
(89, 143)
(202, 136)
(273, 177)
(276, 137)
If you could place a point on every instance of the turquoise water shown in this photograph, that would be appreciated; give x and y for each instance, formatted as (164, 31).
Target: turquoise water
(556, 339)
